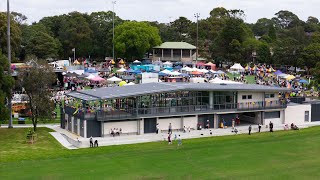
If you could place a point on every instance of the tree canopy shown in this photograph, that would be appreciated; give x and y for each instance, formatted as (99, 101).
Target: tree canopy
(134, 39)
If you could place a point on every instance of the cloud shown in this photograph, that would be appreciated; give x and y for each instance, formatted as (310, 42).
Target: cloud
(162, 10)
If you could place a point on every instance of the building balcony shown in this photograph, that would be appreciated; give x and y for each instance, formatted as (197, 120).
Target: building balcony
(133, 113)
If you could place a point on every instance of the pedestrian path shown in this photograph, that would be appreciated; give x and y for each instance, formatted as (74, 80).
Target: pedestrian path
(134, 139)
(72, 141)
(62, 140)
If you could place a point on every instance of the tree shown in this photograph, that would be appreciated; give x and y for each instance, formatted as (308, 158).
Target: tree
(262, 26)
(38, 41)
(75, 32)
(316, 72)
(182, 25)
(133, 39)
(36, 81)
(15, 35)
(311, 55)
(286, 19)
(101, 24)
(6, 84)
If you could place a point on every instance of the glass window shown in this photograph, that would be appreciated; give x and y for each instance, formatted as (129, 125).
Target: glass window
(244, 96)
(267, 95)
(271, 95)
(272, 115)
(249, 96)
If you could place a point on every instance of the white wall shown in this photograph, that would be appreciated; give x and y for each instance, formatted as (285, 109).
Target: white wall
(164, 123)
(126, 126)
(256, 96)
(295, 114)
(190, 121)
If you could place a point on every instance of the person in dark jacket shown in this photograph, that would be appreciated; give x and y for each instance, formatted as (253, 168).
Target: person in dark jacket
(271, 126)
(250, 128)
(91, 142)
(259, 127)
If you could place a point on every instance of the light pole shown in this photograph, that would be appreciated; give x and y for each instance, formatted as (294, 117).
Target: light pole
(197, 15)
(9, 59)
(113, 3)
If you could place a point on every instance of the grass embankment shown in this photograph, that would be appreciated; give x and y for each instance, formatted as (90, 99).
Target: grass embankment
(278, 155)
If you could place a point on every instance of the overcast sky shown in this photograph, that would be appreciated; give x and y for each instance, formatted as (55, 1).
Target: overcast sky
(163, 10)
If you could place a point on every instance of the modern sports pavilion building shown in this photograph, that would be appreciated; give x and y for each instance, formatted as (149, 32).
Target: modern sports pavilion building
(138, 108)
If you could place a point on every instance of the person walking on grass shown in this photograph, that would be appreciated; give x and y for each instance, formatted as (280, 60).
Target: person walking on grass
(259, 127)
(169, 139)
(170, 129)
(179, 140)
(250, 128)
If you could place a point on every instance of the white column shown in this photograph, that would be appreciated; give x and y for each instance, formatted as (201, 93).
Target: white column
(216, 121)
(211, 99)
(171, 54)
(142, 126)
(182, 122)
(162, 54)
(102, 129)
(78, 126)
(85, 128)
(181, 54)
(72, 124)
(191, 54)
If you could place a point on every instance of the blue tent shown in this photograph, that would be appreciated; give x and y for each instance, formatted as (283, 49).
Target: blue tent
(177, 67)
(303, 81)
(137, 71)
(162, 74)
(130, 71)
(185, 75)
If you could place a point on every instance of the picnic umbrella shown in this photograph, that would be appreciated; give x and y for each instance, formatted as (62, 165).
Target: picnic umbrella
(278, 72)
(196, 73)
(122, 83)
(97, 79)
(290, 77)
(303, 81)
(175, 73)
(166, 71)
(114, 79)
(136, 62)
(130, 71)
(90, 76)
(121, 70)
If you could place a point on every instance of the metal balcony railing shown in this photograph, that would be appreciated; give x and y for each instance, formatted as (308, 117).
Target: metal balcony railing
(133, 113)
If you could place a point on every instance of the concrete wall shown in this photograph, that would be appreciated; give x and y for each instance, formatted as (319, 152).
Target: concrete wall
(256, 96)
(126, 126)
(164, 123)
(190, 121)
(296, 113)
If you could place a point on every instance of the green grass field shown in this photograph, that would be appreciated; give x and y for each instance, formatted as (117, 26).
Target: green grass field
(278, 155)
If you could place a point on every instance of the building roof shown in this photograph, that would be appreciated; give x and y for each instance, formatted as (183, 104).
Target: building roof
(175, 45)
(152, 88)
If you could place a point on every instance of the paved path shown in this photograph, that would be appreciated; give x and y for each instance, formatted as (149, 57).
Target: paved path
(63, 141)
(72, 141)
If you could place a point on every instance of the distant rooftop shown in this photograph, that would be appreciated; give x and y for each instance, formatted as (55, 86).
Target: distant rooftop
(152, 88)
(175, 45)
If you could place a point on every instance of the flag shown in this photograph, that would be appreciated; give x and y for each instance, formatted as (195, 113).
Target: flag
(74, 49)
